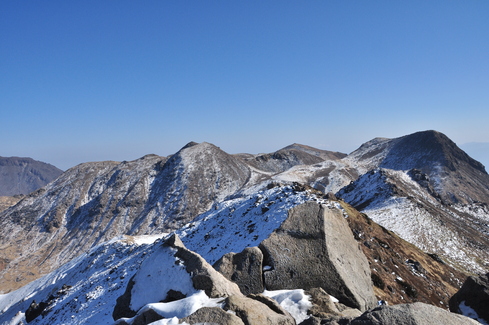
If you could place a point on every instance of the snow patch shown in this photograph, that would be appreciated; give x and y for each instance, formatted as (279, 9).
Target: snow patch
(158, 274)
(469, 312)
(296, 302)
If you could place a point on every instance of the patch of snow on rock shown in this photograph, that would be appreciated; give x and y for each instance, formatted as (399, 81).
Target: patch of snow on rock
(296, 302)
(469, 312)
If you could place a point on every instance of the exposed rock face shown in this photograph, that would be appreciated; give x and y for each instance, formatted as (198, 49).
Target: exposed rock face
(191, 273)
(416, 314)
(204, 276)
(322, 304)
(145, 317)
(244, 269)
(24, 175)
(212, 315)
(474, 295)
(313, 248)
(254, 312)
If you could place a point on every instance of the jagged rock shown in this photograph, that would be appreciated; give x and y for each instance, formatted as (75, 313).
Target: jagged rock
(123, 304)
(416, 314)
(256, 312)
(322, 303)
(473, 294)
(244, 269)
(146, 316)
(175, 258)
(212, 315)
(313, 320)
(325, 310)
(34, 310)
(204, 276)
(313, 248)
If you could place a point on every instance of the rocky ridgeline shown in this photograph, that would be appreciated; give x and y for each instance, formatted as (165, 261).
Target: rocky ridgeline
(421, 188)
(314, 249)
(419, 181)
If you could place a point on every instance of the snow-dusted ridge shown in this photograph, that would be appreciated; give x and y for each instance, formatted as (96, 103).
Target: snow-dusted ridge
(235, 224)
(82, 291)
(394, 200)
(94, 280)
(436, 198)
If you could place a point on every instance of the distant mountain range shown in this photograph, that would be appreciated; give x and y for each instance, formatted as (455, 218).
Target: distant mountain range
(24, 175)
(420, 187)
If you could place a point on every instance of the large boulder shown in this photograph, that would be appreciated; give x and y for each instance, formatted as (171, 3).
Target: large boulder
(409, 314)
(244, 269)
(473, 298)
(314, 247)
(212, 315)
(171, 272)
(204, 276)
(258, 310)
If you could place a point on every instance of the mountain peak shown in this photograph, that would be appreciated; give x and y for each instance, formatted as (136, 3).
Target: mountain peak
(427, 149)
(190, 144)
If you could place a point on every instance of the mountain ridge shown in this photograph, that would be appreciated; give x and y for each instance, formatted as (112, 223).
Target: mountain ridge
(94, 202)
(22, 175)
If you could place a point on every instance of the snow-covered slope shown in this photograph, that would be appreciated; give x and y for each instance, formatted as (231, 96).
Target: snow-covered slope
(94, 202)
(396, 201)
(84, 290)
(421, 186)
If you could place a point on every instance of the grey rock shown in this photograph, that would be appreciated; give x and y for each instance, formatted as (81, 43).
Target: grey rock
(244, 269)
(122, 307)
(313, 320)
(202, 274)
(212, 315)
(322, 304)
(147, 316)
(410, 314)
(314, 247)
(474, 294)
(255, 312)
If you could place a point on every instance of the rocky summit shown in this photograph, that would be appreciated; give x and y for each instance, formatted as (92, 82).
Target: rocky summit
(393, 233)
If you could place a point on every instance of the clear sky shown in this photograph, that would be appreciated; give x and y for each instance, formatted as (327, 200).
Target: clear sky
(115, 80)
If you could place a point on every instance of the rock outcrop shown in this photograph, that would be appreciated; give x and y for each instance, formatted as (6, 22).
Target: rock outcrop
(244, 269)
(255, 312)
(181, 274)
(473, 298)
(313, 248)
(204, 276)
(212, 315)
(416, 313)
(171, 273)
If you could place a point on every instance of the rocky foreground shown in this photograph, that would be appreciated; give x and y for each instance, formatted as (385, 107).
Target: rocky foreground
(311, 269)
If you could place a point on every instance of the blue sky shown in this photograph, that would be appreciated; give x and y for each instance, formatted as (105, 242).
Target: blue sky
(115, 80)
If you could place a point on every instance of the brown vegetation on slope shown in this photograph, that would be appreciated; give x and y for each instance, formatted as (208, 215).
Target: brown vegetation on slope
(401, 272)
